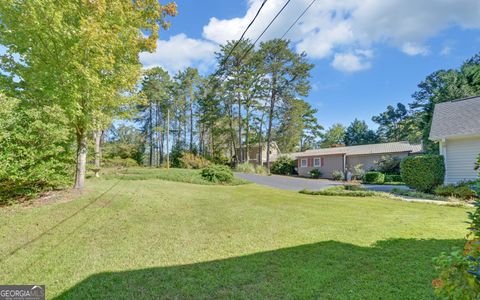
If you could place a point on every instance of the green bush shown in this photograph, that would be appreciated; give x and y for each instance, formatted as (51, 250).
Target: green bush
(389, 164)
(189, 160)
(217, 174)
(338, 175)
(348, 190)
(460, 191)
(36, 152)
(284, 165)
(245, 168)
(424, 172)
(261, 170)
(393, 178)
(316, 173)
(358, 172)
(459, 271)
(374, 177)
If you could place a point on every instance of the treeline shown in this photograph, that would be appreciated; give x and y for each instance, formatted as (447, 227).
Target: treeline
(254, 98)
(411, 122)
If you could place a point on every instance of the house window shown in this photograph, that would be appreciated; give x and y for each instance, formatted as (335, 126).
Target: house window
(316, 162)
(303, 162)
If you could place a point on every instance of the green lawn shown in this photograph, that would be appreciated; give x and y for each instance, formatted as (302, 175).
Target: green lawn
(163, 239)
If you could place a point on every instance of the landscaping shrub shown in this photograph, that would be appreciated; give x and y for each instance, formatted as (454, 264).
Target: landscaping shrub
(358, 172)
(459, 276)
(245, 168)
(284, 165)
(461, 191)
(424, 172)
(374, 177)
(36, 150)
(415, 194)
(349, 190)
(316, 173)
(393, 178)
(261, 170)
(189, 160)
(389, 164)
(217, 174)
(175, 155)
(338, 175)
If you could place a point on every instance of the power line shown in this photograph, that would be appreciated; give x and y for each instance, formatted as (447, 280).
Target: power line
(241, 37)
(298, 19)
(263, 32)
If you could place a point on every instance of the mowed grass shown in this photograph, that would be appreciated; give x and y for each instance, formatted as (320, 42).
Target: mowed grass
(153, 239)
(173, 174)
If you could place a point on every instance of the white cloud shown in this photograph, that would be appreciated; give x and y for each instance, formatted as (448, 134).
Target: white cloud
(413, 49)
(331, 29)
(350, 62)
(334, 28)
(180, 52)
(446, 50)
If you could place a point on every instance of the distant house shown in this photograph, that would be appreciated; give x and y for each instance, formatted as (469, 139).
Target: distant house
(456, 126)
(253, 153)
(345, 159)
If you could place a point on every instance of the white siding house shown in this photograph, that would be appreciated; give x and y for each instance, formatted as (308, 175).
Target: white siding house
(456, 126)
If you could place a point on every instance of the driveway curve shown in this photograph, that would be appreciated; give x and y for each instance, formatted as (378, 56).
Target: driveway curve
(288, 183)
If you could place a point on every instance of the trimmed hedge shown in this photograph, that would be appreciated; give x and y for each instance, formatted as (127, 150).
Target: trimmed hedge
(424, 172)
(393, 178)
(374, 177)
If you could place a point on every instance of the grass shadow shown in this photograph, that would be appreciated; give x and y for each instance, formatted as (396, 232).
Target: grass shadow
(391, 269)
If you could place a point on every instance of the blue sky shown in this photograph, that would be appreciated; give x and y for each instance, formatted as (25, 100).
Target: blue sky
(367, 53)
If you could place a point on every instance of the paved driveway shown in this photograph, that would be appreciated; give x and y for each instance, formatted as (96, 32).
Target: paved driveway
(298, 184)
(289, 183)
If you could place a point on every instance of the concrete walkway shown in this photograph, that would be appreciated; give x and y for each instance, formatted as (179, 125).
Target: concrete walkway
(288, 182)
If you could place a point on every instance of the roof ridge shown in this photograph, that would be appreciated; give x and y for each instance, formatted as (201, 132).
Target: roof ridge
(459, 99)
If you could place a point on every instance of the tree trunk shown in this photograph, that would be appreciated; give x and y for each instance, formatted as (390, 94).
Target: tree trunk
(260, 142)
(191, 119)
(97, 135)
(247, 133)
(151, 135)
(240, 149)
(270, 121)
(81, 160)
(233, 149)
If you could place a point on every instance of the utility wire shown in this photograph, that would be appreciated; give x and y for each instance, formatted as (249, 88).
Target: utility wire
(298, 19)
(263, 32)
(222, 65)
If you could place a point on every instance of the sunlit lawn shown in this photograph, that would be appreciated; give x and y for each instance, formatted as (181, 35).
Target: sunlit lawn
(149, 238)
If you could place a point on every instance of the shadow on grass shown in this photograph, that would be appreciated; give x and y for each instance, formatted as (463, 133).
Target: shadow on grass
(391, 269)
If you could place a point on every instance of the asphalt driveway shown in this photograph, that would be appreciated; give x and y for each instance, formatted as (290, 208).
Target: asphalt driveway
(298, 183)
(289, 183)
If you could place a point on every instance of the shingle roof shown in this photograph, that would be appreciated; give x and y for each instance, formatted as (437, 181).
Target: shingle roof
(456, 118)
(365, 149)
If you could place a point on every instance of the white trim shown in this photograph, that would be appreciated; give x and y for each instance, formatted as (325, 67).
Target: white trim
(454, 136)
(315, 160)
(301, 163)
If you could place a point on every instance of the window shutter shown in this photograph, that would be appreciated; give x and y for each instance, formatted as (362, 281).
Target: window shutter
(322, 162)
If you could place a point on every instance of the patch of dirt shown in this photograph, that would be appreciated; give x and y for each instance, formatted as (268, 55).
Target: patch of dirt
(54, 197)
